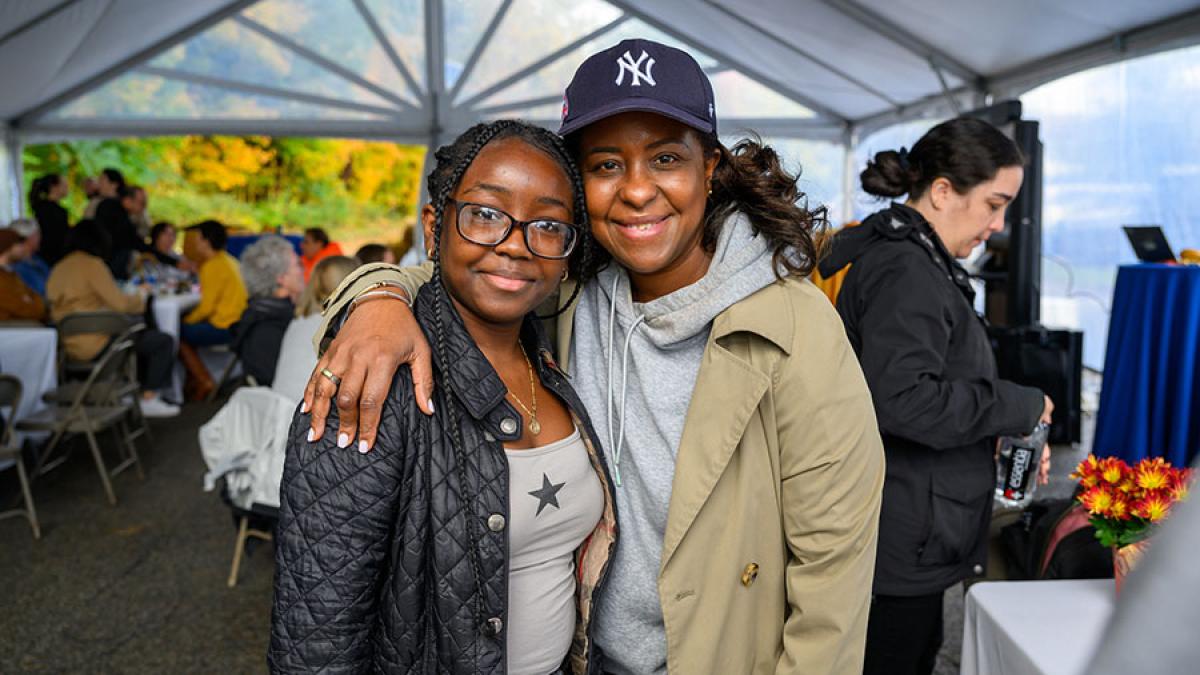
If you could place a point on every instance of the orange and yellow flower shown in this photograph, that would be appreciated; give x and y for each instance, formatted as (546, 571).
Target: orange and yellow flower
(1153, 507)
(1098, 500)
(1113, 470)
(1088, 472)
(1153, 474)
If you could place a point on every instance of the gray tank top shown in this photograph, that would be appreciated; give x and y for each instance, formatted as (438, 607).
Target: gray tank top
(555, 500)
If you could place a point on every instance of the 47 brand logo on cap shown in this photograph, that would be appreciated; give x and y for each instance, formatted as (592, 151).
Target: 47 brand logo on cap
(635, 68)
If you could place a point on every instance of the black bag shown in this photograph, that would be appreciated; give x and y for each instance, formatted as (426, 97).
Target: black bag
(1049, 542)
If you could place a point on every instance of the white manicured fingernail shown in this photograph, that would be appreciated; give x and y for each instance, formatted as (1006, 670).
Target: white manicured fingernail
(343, 440)
(304, 407)
(430, 405)
(362, 447)
(311, 435)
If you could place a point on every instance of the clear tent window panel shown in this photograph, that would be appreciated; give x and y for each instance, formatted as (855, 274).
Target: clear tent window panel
(403, 24)
(1120, 148)
(819, 166)
(142, 96)
(529, 31)
(337, 32)
(231, 51)
(551, 80)
(465, 25)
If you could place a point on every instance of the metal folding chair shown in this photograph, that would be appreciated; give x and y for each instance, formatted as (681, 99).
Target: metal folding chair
(82, 416)
(116, 327)
(10, 455)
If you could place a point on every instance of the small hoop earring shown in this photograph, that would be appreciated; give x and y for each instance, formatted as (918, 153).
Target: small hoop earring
(564, 276)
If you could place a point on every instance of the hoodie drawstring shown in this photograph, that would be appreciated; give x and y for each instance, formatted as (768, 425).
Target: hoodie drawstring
(615, 442)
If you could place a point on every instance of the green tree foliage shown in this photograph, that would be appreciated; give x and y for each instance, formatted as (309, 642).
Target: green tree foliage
(357, 190)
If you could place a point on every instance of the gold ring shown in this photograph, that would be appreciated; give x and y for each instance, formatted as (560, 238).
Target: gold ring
(337, 381)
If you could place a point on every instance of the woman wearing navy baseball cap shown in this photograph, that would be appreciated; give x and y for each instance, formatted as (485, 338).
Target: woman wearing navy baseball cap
(734, 413)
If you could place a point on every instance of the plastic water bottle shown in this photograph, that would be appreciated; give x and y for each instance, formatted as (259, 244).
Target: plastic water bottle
(1017, 467)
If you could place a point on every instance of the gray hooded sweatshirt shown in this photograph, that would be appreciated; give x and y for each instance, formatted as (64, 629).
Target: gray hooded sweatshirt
(636, 366)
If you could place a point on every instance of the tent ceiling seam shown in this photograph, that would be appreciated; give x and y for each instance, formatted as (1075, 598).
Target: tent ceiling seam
(542, 63)
(821, 63)
(320, 60)
(480, 45)
(389, 49)
(754, 74)
(40, 18)
(84, 39)
(879, 25)
(276, 92)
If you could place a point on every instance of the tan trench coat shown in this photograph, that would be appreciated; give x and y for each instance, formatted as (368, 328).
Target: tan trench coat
(769, 549)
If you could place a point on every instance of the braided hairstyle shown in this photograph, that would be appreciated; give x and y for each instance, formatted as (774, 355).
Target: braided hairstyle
(450, 164)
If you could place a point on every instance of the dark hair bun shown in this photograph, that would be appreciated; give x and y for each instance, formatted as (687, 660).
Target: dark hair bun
(886, 175)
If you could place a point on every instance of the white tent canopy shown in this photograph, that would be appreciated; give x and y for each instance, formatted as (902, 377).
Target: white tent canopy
(419, 71)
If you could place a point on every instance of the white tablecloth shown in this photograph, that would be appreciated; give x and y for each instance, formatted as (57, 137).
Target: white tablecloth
(1034, 627)
(168, 311)
(30, 353)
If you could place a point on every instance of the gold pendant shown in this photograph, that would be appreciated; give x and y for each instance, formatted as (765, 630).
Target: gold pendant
(534, 427)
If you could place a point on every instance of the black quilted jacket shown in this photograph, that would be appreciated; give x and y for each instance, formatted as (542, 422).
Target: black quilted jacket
(374, 564)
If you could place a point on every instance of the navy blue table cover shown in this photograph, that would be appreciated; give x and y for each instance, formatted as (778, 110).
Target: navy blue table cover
(239, 242)
(1150, 400)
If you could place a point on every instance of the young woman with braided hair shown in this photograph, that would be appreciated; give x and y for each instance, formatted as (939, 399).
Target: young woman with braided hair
(472, 540)
(746, 458)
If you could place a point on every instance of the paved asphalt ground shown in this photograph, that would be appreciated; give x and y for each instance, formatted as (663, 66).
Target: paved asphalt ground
(140, 587)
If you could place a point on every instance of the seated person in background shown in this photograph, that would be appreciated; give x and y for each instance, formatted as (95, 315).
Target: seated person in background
(28, 263)
(162, 261)
(222, 301)
(373, 253)
(18, 302)
(82, 282)
(314, 247)
(274, 282)
(297, 357)
(119, 216)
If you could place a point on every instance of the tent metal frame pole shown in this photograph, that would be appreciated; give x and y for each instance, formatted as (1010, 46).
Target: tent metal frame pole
(480, 45)
(435, 75)
(125, 64)
(311, 55)
(388, 48)
(790, 46)
(849, 173)
(907, 41)
(258, 89)
(518, 105)
(542, 62)
(724, 57)
(14, 146)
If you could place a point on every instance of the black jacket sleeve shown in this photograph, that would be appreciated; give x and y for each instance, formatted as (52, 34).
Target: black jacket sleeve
(905, 332)
(337, 512)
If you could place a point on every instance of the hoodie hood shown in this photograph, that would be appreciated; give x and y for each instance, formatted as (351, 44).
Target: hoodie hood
(741, 264)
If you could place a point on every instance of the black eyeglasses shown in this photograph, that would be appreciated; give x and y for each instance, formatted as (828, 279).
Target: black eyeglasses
(488, 226)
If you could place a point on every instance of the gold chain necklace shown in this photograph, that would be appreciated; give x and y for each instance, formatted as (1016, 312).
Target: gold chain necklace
(534, 427)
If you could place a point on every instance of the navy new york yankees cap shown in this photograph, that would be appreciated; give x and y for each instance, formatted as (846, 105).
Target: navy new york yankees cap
(639, 75)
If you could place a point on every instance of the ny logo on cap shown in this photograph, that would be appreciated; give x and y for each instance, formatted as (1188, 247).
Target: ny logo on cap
(636, 74)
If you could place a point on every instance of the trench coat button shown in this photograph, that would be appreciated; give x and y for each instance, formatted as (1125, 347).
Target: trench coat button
(492, 627)
(977, 569)
(749, 574)
(495, 522)
(508, 425)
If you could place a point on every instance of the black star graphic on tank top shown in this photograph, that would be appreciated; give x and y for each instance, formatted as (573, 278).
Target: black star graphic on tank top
(548, 495)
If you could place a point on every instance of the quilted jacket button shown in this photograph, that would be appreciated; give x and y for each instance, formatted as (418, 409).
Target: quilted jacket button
(977, 569)
(495, 522)
(508, 425)
(492, 627)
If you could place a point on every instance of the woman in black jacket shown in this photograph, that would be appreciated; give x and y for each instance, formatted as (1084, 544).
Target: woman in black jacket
(44, 197)
(474, 540)
(909, 312)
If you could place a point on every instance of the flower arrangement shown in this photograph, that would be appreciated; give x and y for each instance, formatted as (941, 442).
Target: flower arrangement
(1126, 502)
